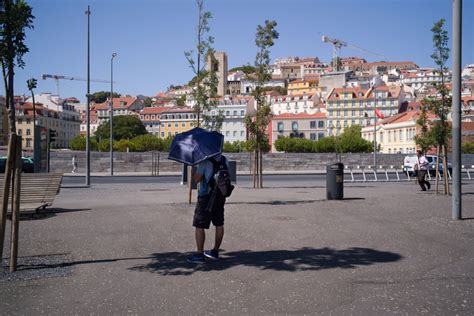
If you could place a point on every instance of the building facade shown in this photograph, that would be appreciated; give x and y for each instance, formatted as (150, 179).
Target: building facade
(234, 110)
(121, 106)
(150, 117)
(356, 106)
(301, 103)
(301, 125)
(303, 86)
(176, 120)
(219, 66)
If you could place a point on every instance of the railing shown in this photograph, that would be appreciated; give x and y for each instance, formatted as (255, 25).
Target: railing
(359, 173)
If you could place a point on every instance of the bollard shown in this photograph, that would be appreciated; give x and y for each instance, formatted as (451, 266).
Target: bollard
(335, 181)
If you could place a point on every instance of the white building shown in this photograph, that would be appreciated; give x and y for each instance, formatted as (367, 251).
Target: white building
(247, 86)
(234, 110)
(301, 103)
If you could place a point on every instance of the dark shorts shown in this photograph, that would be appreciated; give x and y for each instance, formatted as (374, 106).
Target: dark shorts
(203, 215)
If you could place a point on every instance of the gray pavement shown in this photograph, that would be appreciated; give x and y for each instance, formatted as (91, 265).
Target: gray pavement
(121, 249)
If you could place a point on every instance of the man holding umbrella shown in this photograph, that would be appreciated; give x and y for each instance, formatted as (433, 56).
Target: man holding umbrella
(204, 149)
(209, 208)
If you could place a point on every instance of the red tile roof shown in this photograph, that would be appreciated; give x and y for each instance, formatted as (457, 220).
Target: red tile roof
(153, 110)
(291, 116)
(117, 103)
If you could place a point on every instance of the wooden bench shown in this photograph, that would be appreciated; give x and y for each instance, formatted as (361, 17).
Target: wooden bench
(38, 190)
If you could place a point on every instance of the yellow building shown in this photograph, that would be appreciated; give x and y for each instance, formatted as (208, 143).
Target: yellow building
(176, 120)
(356, 106)
(396, 134)
(303, 86)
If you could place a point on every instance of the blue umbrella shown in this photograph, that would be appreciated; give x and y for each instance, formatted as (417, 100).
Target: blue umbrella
(195, 145)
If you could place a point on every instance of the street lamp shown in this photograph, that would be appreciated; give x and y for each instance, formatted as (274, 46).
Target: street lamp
(111, 138)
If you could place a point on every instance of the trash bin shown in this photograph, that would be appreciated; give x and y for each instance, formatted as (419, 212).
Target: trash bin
(335, 181)
(233, 170)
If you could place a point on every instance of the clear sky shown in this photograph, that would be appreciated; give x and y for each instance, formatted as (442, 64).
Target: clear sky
(151, 36)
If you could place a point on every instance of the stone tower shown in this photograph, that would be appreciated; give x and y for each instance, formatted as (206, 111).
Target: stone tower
(220, 67)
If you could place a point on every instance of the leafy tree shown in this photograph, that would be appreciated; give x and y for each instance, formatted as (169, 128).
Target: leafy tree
(147, 102)
(280, 90)
(124, 145)
(204, 83)
(351, 141)
(15, 17)
(246, 69)
(104, 144)
(125, 127)
(257, 126)
(181, 101)
(79, 143)
(326, 145)
(440, 105)
(235, 147)
(167, 143)
(467, 148)
(147, 142)
(102, 96)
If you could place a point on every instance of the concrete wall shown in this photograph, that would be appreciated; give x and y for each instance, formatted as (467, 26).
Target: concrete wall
(142, 162)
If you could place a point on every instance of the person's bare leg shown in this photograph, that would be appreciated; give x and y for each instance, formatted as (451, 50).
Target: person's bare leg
(219, 237)
(200, 239)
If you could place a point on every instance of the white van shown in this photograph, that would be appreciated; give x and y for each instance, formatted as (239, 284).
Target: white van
(409, 163)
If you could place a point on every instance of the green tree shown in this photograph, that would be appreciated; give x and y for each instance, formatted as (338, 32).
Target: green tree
(147, 142)
(102, 96)
(351, 141)
(246, 69)
(79, 143)
(147, 102)
(124, 145)
(205, 81)
(467, 148)
(125, 127)
(440, 105)
(257, 126)
(15, 17)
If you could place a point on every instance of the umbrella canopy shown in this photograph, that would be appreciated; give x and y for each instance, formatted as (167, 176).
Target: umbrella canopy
(196, 145)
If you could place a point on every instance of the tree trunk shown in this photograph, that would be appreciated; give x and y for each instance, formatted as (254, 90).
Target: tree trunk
(436, 169)
(445, 171)
(6, 189)
(260, 168)
(255, 168)
(16, 207)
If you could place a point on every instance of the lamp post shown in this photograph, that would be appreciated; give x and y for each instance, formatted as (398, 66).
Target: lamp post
(111, 136)
(88, 95)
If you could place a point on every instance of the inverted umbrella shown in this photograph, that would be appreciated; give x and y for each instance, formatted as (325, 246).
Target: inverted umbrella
(195, 145)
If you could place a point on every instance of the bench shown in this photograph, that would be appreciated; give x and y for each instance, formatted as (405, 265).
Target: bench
(38, 190)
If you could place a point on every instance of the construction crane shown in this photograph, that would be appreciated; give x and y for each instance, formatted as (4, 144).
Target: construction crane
(337, 44)
(59, 77)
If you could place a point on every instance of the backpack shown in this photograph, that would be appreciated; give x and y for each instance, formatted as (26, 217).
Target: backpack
(221, 177)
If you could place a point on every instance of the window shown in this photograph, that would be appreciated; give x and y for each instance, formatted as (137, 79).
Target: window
(312, 136)
(227, 113)
(241, 133)
(234, 133)
(169, 124)
(242, 113)
(320, 135)
(312, 124)
(294, 126)
(28, 121)
(183, 124)
(227, 134)
(169, 134)
(19, 122)
(400, 135)
(28, 143)
(235, 113)
(175, 124)
(20, 132)
(280, 127)
(163, 134)
(321, 124)
(28, 132)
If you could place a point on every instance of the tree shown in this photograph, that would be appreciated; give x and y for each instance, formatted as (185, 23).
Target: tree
(351, 141)
(204, 83)
(102, 96)
(257, 126)
(125, 127)
(147, 142)
(79, 143)
(246, 69)
(147, 102)
(440, 105)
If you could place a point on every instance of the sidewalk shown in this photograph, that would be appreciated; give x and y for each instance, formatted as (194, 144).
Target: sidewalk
(120, 249)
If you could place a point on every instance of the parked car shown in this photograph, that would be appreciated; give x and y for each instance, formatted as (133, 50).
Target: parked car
(410, 161)
(26, 166)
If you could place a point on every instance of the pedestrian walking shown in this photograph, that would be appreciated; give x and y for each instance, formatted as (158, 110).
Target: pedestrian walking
(422, 169)
(209, 207)
(74, 164)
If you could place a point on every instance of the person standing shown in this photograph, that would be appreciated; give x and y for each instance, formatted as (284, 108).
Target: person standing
(209, 208)
(422, 164)
(74, 164)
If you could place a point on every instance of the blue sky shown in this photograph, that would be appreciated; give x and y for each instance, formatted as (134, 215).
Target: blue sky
(150, 36)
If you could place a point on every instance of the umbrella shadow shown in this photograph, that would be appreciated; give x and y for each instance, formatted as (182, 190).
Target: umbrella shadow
(303, 259)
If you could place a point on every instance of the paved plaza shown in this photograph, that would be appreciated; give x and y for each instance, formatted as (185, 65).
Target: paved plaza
(116, 249)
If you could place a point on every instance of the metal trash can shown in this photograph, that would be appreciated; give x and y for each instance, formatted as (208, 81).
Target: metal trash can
(335, 181)
(233, 170)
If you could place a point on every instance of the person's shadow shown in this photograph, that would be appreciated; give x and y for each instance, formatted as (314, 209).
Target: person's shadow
(303, 259)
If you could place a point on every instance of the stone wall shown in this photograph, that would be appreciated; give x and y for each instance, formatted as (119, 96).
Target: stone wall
(142, 162)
